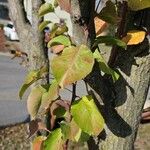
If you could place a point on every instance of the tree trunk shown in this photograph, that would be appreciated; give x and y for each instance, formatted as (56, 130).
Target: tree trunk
(120, 103)
(30, 37)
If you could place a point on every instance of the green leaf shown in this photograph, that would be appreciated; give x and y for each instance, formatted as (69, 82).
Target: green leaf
(104, 67)
(34, 100)
(54, 141)
(74, 64)
(51, 95)
(45, 8)
(61, 39)
(72, 132)
(32, 77)
(110, 41)
(138, 4)
(61, 29)
(43, 25)
(109, 13)
(86, 115)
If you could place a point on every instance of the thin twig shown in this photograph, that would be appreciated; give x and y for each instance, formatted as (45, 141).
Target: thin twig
(73, 92)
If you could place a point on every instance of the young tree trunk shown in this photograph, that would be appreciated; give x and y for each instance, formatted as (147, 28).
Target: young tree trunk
(120, 103)
(30, 37)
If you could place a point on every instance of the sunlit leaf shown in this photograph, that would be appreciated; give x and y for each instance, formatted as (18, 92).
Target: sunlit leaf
(54, 141)
(100, 25)
(61, 39)
(104, 67)
(32, 77)
(110, 41)
(109, 13)
(134, 37)
(138, 4)
(45, 8)
(34, 100)
(86, 115)
(72, 65)
(61, 29)
(50, 95)
(43, 25)
(72, 132)
(37, 142)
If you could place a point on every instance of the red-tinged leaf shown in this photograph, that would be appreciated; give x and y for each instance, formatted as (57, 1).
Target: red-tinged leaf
(58, 104)
(65, 5)
(50, 95)
(74, 64)
(37, 143)
(64, 104)
(34, 100)
(36, 125)
(57, 48)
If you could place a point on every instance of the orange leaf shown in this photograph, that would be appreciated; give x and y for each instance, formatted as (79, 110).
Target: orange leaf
(100, 25)
(134, 37)
(37, 143)
(57, 48)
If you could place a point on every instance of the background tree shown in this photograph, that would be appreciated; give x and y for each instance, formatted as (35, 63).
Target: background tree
(121, 102)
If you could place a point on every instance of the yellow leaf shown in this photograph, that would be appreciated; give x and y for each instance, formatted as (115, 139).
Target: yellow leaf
(134, 37)
(136, 5)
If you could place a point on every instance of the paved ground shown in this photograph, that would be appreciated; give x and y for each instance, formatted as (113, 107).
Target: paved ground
(12, 110)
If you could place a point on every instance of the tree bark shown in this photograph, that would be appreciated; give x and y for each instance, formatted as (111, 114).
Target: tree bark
(120, 103)
(31, 38)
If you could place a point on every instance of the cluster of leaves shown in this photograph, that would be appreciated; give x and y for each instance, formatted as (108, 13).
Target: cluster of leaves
(80, 118)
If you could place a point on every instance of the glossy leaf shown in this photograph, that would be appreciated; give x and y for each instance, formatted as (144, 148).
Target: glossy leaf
(138, 4)
(50, 95)
(72, 132)
(109, 13)
(72, 65)
(86, 115)
(43, 25)
(110, 41)
(45, 8)
(134, 37)
(37, 142)
(54, 141)
(61, 39)
(104, 67)
(34, 100)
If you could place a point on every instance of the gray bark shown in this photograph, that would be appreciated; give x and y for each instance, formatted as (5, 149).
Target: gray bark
(30, 37)
(120, 103)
